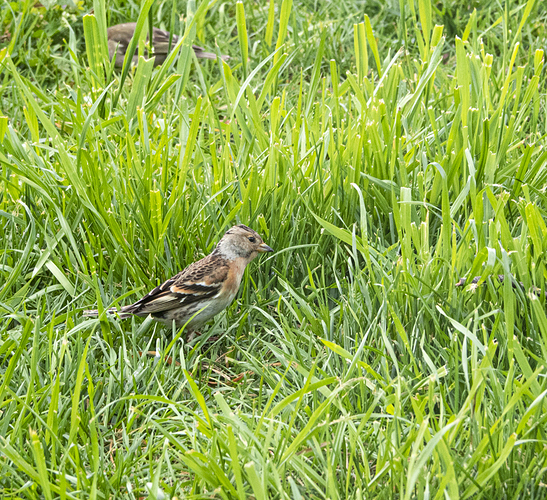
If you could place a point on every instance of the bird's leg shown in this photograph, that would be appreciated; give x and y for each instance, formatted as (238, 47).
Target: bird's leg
(191, 336)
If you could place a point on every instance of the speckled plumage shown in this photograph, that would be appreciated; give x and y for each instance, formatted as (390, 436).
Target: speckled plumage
(204, 288)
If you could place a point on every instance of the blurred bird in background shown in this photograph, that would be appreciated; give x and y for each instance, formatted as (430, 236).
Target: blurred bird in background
(120, 35)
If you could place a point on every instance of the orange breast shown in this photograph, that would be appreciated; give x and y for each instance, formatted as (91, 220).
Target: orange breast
(233, 280)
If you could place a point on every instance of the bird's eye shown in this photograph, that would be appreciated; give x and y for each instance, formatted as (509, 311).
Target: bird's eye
(252, 239)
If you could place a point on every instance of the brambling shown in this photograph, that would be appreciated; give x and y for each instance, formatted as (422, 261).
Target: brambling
(205, 287)
(120, 35)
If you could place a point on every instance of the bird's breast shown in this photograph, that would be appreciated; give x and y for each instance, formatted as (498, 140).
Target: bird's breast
(233, 280)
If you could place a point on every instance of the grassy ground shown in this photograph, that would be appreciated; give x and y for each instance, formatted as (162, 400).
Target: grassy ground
(383, 157)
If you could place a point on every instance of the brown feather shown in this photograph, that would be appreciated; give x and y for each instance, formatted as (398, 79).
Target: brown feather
(200, 280)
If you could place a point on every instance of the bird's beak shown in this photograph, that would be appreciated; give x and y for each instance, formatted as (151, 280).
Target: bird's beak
(263, 248)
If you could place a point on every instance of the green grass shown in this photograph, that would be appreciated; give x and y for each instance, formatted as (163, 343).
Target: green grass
(382, 156)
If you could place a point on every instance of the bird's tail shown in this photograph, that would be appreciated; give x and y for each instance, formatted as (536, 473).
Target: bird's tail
(202, 54)
(120, 314)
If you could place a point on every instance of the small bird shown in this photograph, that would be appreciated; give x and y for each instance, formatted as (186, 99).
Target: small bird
(210, 284)
(120, 35)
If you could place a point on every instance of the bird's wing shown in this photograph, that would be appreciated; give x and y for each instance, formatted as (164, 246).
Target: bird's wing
(160, 41)
(200, 281)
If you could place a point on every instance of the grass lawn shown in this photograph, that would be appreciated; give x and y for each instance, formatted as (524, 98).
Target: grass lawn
(385, 149)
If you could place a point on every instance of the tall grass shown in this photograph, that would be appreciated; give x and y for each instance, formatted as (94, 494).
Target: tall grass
(383, 149)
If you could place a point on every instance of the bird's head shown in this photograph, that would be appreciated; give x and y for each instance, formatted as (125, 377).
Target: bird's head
(241, 242)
